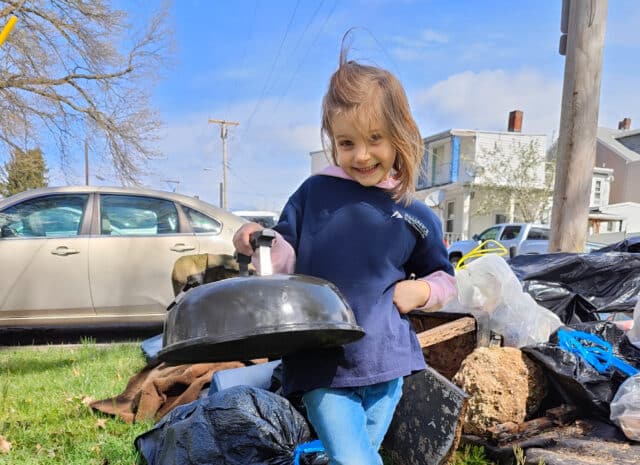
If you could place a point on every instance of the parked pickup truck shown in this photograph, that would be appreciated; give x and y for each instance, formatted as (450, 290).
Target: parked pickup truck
(527, 238)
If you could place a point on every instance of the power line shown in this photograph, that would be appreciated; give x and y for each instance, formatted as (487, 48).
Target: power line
(304, 58)
(273, 66)
(245, 52)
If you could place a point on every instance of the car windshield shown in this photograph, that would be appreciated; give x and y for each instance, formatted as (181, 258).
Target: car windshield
(489, 234)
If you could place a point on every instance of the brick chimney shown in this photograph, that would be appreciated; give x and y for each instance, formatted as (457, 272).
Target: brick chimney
(625, 124)
(515, 121)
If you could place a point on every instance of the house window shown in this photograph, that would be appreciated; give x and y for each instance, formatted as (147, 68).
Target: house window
(451, 211)
(597, 191)
(500, 218)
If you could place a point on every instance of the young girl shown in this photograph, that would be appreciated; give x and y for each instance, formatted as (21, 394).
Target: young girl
(357, 226)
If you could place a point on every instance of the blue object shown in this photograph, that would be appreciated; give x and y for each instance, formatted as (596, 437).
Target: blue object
(258, 376)
(150, 347)
(455, 158)
(353, 421)
(595, 351)
(310, 447)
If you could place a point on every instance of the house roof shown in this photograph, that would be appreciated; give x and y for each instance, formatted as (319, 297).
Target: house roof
(471, 132)
(610, 138)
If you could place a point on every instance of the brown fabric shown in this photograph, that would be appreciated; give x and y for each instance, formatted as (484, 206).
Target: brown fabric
(158, 388)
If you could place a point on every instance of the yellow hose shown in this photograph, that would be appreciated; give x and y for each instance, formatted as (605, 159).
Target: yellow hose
(7, 29)
(483, 249)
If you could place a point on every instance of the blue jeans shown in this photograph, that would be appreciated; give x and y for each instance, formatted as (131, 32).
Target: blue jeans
(352, 422)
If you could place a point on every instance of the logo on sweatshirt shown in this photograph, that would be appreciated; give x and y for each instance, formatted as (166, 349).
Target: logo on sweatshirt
(415, 224)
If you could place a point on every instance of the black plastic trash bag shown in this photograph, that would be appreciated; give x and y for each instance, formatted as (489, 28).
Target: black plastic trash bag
(575, 380)
(241, 425)
(576, 286)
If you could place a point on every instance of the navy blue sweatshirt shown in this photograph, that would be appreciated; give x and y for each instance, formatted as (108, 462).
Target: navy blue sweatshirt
(364, 242)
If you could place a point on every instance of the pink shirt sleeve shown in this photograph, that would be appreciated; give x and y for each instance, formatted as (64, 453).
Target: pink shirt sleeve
(443, 289)
(283, 257)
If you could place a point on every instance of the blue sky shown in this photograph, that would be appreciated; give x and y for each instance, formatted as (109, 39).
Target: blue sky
(266, 64)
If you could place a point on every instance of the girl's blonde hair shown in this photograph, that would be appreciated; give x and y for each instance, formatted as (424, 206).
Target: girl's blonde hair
(373, 95)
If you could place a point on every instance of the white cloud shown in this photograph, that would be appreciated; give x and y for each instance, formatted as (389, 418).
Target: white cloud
(429, 35)
(408, 54)
(483, 100)
(267, 160)
(619, 99)
(418, 47)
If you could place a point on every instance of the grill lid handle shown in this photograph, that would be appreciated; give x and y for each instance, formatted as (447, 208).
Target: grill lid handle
(262, 241)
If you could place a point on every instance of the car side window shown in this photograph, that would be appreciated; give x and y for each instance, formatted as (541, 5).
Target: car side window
(50, 216)
(132, 215)
(538, 234)
(489, 234)
(510, 232)
(201, 223)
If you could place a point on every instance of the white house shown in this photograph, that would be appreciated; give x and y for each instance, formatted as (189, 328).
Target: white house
(456, 160)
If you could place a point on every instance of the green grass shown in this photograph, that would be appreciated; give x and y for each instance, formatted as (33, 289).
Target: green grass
(43, 411)
(470, 455)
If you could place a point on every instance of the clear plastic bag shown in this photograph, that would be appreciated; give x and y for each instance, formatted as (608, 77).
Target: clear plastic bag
(634, 333)
(489, 284)
(625, 407)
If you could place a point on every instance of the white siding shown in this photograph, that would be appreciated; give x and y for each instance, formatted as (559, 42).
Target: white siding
(479, 223)
(630, 211)
(508, 144)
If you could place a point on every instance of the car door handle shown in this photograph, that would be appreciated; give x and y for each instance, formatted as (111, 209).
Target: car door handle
(64, 251)
(180, 247)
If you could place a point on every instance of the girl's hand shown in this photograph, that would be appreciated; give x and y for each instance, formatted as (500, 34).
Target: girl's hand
(411, 294)
(241, 238)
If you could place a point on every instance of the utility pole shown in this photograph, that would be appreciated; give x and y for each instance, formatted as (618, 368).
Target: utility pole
(583, 22)
(223, 135)
(86, 162)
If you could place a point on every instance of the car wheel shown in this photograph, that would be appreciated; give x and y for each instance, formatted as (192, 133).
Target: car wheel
(454, 258)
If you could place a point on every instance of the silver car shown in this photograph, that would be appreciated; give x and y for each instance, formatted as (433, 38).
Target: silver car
(78, 255)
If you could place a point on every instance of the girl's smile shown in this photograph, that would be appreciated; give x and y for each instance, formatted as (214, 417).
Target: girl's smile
(367, 158)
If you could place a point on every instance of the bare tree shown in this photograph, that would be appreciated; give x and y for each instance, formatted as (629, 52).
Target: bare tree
(73, 69)
(519, 179)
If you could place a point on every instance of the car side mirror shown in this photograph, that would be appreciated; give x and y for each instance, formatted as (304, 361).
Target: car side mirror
(475, 237)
